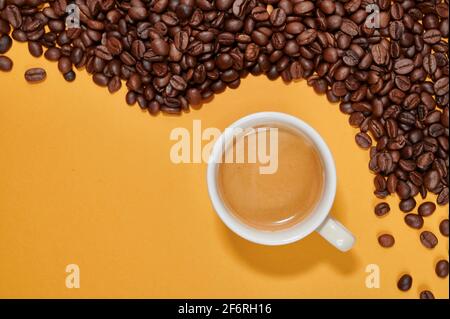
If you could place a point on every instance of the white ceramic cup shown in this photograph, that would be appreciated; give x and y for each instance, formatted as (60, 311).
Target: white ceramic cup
(318, 220)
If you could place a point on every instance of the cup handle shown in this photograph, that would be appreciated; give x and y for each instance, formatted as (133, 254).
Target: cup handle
(336, 234)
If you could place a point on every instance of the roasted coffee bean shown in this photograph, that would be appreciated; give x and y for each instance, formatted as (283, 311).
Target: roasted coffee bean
(428, 239)
(160, 47)
(414, 221)
(431, 179)
(442, 268)
(426, 294)
(443, 227)
(64, 65)
(403, 190)
(382, 209)
(405, 282)
(432, 36)
(426, 209)
(52, 54)
(306, 37)
(443, 197)
(403, 66)
(277, 17)
(100, 79)
(5, 43)
(363, 140)
(35, 48)
(386, 240)
(440, 86)
(70, 76)
(303, 7)
(6, 64)
(35, 75)
(12, 14)
(131, 98)
(407, 205)
(114, 84)
(430, 63)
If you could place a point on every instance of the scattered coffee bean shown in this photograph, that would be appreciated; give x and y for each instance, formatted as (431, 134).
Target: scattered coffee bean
(363, 140)
(35, 75)
(414, 221)
(6, 63)
(442, 268)
(407, 205)
(382, 209)
(426, 294)
(443, 227)
(405, 282)
(5, 43)
(428, 239)
(70, 76)
(35, 48)
(386, 240)
(426, 209)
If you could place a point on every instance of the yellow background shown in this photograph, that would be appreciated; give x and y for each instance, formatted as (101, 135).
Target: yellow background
(86, 179)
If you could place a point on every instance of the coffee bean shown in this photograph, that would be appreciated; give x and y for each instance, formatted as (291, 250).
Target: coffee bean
(330, 55)
(351, 58)
(6, 64)
(426, 294)
(403, 66)
(52, 54)
(5, 43)
(114, 84)
(425, 160)
(443, 197)
(442, 268)
(100, 79)
(382, 209)
(386, 240)
(349, 27)
(405, 282)
(70, 76)
(131, 98)
(363, 140)
(303, 7)
(278, 17)
(306, 37)
(430, 64)
(160, 47)
(426, 209)
(428, 239)
(35, 75)
(403, 190)
(431, 179)
(194, 96)
(414, 221)
(432, 36)
(380, 54)
(443, 227)
(35, 48)
(407, 205)
(64, 65)
(441, 86)
(12, 14)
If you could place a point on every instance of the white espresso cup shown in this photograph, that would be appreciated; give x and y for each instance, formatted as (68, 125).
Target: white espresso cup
(318, 220)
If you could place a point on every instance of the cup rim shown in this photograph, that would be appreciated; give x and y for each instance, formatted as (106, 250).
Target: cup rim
(297, 231)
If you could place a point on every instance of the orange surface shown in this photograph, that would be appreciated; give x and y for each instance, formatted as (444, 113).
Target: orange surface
(86, 179)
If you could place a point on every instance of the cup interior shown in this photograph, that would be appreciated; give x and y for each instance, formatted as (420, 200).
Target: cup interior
(309, 223)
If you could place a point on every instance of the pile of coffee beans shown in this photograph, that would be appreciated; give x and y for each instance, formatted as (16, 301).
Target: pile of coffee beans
(385, 62)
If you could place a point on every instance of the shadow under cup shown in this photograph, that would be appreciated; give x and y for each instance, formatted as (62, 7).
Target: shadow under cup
(252, 216)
